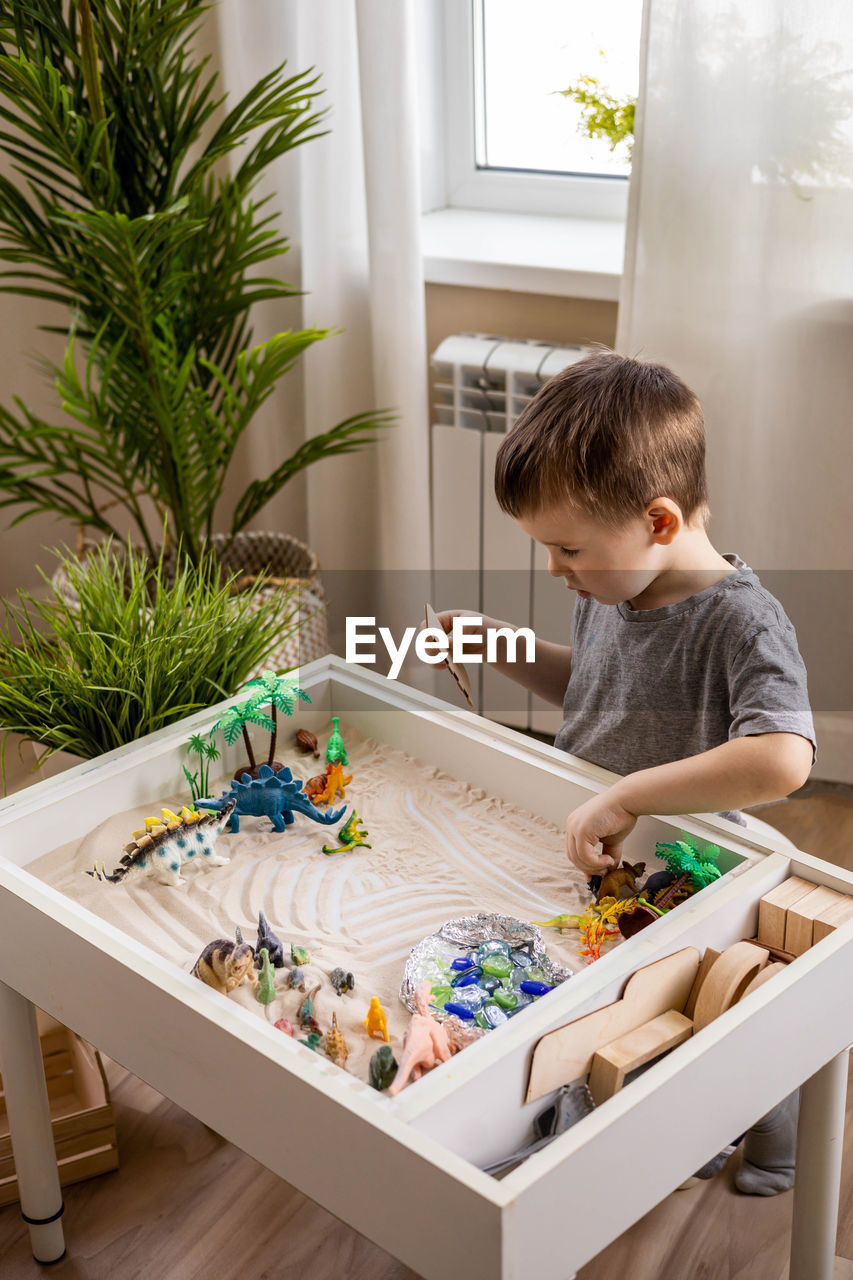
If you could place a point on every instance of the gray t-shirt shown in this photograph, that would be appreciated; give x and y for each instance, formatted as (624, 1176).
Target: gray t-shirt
(649, 686)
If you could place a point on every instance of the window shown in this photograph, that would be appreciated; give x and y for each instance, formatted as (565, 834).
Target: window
(511, 139)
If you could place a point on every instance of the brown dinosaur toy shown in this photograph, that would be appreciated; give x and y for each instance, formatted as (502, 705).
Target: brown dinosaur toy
(224, 964)
(621, 882)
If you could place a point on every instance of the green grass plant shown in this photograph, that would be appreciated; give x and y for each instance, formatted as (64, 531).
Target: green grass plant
(134, 653)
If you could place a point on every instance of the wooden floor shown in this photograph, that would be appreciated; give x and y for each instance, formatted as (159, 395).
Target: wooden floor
(186, 1205)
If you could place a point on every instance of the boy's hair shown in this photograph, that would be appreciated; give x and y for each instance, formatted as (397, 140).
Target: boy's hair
(608, 434)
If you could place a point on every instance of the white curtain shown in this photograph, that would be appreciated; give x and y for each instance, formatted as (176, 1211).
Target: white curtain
(352, 207)
(739, 274)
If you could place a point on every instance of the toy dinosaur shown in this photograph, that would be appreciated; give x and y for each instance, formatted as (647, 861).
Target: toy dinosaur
(167, 843)
(306, 1009)
(350, 835)
(314, 1040)
(299, 955)
(306, 741)
(336, 1045)
(336, 752)
(266, 980)
(383, 1067)
(285, 1025)
(564, 922)
(621, 881)
(334, 783)
(272, 795)
(424, 1044)
(376, 1024)
(224, 964)
(297, 979)
(342, 981)
(267, 939)
(315, 787)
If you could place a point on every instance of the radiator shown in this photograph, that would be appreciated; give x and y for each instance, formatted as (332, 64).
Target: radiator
(481, 560)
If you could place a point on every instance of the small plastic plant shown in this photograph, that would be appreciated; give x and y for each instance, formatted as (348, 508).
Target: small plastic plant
(268, 689)
(684, 857)
(206, 750)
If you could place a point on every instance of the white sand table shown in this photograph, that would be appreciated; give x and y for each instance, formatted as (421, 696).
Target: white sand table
(440, 849)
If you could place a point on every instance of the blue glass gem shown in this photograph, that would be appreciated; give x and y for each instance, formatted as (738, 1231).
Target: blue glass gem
(522, 959)
(461, 1011)
(467, 978)
(462, 962)
(494, 1015)
(489, 984)
(532, 988)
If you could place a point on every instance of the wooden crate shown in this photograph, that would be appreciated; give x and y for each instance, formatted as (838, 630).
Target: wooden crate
(80, 1108)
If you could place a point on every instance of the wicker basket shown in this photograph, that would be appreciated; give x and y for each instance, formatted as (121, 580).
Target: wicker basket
(288, 563)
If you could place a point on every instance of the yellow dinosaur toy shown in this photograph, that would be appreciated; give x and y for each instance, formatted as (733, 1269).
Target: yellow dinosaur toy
(375, 1024)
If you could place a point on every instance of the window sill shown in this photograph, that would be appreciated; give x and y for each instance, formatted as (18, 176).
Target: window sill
(569, 257)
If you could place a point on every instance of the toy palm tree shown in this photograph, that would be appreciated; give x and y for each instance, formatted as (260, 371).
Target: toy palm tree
(281, 694)
(267, 689)
(234, 723)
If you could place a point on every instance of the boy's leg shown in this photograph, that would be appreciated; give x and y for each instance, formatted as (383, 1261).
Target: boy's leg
(770, 1151)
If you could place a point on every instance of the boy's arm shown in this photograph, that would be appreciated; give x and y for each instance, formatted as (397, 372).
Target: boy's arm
(547, 675)
(745, 771)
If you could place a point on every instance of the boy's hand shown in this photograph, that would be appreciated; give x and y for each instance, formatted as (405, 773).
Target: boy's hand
(599, 820)
(473, 643)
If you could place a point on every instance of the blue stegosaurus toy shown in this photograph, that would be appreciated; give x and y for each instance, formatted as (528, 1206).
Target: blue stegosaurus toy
(274, 795)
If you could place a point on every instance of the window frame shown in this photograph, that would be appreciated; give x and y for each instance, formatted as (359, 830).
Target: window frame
(468, 186)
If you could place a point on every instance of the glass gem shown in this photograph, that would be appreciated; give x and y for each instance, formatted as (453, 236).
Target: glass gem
(460, 1010)
(532, 988)
(497, 965)
(494, 1015)
(506, 999)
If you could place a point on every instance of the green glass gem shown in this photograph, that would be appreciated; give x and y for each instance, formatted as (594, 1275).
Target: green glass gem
(497, 965)
(440, 995)
(480, 1019)
(506, 999)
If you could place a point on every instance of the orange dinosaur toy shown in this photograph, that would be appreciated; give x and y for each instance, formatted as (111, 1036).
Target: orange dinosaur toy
(335, 784)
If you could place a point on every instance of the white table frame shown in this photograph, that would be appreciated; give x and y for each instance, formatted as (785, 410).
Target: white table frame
(420, 1147)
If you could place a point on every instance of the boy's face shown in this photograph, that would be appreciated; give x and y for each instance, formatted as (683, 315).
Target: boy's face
(595, 559)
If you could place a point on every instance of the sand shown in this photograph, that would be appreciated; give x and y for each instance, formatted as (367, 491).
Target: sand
(440, 850)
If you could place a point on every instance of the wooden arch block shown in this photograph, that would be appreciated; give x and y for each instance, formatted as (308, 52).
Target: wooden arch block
(727, 980)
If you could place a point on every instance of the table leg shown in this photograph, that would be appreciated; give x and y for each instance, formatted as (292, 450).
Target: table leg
(820, 1142)
(29, 1125)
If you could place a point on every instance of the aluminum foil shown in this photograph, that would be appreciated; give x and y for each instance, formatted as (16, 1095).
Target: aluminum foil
(458, 937)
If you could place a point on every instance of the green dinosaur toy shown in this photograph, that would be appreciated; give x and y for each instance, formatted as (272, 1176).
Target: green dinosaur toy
(313, 1041)
(299, 955)
(336, 750)
(350, 835)
(266, 979)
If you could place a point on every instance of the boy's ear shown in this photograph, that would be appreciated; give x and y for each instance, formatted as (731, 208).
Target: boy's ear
(665, 520)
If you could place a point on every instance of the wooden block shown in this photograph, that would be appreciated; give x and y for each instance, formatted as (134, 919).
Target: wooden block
(565, 1055)
(704, 965)
(611, 1064)
(729, 977)
(774, 906)
(764, 975)
(835, 916)
(799, 922)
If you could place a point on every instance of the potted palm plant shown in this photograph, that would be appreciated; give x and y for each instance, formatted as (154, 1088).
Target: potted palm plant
(136, 212)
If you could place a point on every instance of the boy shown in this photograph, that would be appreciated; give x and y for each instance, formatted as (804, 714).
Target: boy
(683, 674)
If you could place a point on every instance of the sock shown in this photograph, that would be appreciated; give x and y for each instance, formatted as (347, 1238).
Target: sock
(770, 1150)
